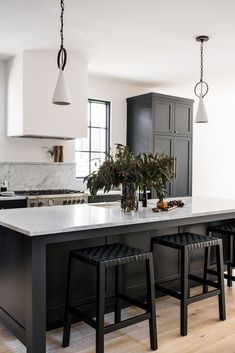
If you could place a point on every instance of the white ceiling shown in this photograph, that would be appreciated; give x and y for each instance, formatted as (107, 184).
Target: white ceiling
(148, 42)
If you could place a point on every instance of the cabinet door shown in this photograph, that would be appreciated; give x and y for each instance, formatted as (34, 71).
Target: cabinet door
(182, 152)
(183, 119)
(140, 126)
(163, 116)
(164, 144)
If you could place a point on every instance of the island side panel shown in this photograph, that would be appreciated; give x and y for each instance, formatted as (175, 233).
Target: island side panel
(13, 281)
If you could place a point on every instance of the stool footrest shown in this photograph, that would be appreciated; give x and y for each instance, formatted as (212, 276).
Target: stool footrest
(205, 281)
(212, 272)
(127, 322)
(203, 296)
(81, 315)
(133, 301)
(168, 291)
(232, 278)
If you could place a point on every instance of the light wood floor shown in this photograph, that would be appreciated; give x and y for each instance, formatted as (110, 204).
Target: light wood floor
(206, 333)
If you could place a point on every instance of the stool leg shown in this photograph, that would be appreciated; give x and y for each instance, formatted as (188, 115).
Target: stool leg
(100, 301)
(230, 254)
(151, 245)
(117, 310)
(184, 292)
(221, 296)
(206, 264)
(68, 315)
(151, 303)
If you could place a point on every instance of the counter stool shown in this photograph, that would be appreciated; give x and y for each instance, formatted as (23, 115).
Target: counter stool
(101, 257)
(186, 243)
(229, 231)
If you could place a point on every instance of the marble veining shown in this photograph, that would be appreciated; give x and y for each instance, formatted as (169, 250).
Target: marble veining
(60, 219)
(37, 176)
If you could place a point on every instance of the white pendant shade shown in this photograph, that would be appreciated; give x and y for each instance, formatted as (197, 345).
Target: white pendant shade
(61, 94)
(201, 115)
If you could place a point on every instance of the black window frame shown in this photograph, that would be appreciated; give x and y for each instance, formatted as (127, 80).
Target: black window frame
(90, 127)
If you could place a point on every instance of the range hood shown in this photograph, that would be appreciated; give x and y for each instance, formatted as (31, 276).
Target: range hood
(31, 78)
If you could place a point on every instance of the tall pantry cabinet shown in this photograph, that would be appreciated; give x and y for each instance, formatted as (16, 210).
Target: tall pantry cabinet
(162, 123)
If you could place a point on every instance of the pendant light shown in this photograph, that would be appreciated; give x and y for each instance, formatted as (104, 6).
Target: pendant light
(201, 115)
(61, 94)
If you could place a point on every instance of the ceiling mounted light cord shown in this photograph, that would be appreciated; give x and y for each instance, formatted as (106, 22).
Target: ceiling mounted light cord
(201, 115)
(61, 94)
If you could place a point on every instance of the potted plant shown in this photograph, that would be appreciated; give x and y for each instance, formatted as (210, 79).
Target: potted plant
(131, 171)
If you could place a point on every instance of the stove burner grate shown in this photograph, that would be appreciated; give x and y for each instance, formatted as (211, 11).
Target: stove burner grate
(48, 192)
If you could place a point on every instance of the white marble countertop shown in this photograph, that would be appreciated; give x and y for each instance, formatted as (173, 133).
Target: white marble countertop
(12, 198)
(61, 219)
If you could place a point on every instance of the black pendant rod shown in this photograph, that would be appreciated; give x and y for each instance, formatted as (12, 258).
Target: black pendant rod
(201, 39)
(62, 54)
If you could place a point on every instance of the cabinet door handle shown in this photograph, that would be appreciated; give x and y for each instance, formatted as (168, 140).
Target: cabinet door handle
(174, 166)
(175, 132)
(171, 131)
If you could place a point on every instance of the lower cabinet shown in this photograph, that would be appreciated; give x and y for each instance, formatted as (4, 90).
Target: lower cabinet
(5, 204)
(104, 198)
(180, 149)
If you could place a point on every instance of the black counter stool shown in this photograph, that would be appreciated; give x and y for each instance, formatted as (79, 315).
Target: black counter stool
(186, 243)
(227, 229)
(101, 257)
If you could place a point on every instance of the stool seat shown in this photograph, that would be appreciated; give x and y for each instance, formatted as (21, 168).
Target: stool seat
(110, 255)
(227, 228)
(190, 240)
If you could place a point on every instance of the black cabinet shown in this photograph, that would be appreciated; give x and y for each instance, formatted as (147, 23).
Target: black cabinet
(157, 122)
(180, 149)
(172, 117)
(104, 198)
(4, 204)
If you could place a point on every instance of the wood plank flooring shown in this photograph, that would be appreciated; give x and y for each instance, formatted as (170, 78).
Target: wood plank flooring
(206, 334)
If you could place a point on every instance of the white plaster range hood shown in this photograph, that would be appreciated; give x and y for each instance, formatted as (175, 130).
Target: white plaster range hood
(31, 79)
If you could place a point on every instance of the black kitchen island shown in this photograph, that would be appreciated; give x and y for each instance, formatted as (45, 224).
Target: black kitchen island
(35, 244)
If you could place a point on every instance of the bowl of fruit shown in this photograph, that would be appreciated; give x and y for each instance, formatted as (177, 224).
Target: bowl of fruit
(168, 205)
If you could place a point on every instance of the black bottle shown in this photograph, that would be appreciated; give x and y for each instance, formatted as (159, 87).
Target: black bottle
(144, 197)
(3, 186)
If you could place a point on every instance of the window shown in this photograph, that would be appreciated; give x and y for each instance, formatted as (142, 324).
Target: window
(90, 151)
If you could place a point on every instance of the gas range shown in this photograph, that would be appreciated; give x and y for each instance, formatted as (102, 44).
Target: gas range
(39, 198)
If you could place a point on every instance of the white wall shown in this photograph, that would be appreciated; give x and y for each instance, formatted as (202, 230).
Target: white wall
(115, 92)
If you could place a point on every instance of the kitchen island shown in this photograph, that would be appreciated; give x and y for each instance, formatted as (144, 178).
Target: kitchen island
(35, 243)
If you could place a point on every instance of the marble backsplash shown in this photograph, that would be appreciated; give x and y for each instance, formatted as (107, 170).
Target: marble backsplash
(38, 176)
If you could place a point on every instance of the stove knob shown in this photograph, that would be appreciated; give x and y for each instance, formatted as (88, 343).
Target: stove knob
(33, 204)
(69, 202)
(82, 200)
(65, 202)
(51, 202)
(78, 200)
(40, 204)
(74, 201)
